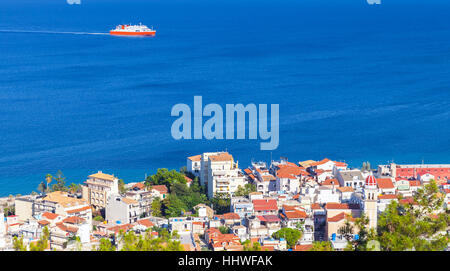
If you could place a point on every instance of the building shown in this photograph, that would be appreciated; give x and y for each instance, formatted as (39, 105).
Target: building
(265, 207)
(122, 210)
(370, 201)
(98, 187)
(353, 178)
(193, 165)
(241, 206)
(441, 172)
(224, 175)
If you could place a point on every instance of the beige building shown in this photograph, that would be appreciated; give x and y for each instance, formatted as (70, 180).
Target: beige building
(98, 187)
(224, 175)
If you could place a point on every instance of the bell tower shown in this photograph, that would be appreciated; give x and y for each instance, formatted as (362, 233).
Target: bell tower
(370, 201)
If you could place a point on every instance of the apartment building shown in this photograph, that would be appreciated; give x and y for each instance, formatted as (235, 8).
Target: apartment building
(98, 187)
(224, 175)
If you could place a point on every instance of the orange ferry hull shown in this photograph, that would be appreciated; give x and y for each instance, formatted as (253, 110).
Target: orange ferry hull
(122, 33)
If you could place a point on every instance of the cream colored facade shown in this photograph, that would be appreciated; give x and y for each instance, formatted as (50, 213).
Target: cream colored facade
(98, 187)
(224, 175)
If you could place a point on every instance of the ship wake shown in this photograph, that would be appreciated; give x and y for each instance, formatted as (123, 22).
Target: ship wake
(51, 32)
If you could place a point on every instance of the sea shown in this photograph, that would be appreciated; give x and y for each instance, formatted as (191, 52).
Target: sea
(354, 82)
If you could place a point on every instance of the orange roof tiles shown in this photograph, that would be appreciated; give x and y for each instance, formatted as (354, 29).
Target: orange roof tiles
(227, 216)
(385, 183)
(74, 220)
(331, 182)
(79, 210)
(145, 222)
(221, 157)
(340, 217)
(195, 157)
(160, 188)
(265, 205)
(50, 216)
(103, 176)
(389, 196)
(337, 206)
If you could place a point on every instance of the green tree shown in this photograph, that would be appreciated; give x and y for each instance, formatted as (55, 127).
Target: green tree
(106, 245)
(415, 226)
(165, 177)
(322, 246)
(122, 187)
(224, 229)
(221, 203)
(156, 207)
(74, 188)
(18, 244)
(42, 243)
(290, 235)
(60, 182)
(99, 218)
(245, 190)
(249, 246)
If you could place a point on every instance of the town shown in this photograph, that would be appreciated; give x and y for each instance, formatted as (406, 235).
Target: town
(211, 204)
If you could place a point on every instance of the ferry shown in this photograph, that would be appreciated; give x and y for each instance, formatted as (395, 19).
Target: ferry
(132, 30)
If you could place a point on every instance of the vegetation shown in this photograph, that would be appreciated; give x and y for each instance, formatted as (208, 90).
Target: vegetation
(40, 245)
(106, 245)
(244, 191)
(322, 246)
(420, 225)
(366, 166)
(181, 198)
(249, 246)
(99, 218)
(221, 203)
(122, 187)
(224, 229)
(130, 241)
(416, 226)
(290, 235)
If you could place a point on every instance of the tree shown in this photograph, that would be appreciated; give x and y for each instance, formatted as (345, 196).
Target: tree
(322, 246)
(42, 243)
(106, 245)
(122, 187)
(244, 191)
(224, 229)
(249, 246)
(18, 244)
(60, 182)
(165, 177)
(415, 226)
(156, 207)
(221, 203)
(74, 188)
(290, 235)
(99, 218)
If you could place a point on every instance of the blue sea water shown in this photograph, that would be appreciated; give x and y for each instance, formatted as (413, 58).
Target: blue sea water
(354, 82)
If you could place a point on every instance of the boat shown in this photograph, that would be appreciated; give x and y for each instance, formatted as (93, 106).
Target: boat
(132, 30)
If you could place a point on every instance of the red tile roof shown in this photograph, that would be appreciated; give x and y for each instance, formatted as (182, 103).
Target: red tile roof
(265, 205)
(340, 217)
(227, 216)
(43, 222)
(385, 183)
(79, 210)
(74, 220)
(269, 218)
(336, 206)
(140, 186)
(160, 188)
(50, 216)
(389, 196)
(331, 182)
(145, 222)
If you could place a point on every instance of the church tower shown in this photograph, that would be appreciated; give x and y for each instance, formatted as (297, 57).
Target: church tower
(370, 201)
